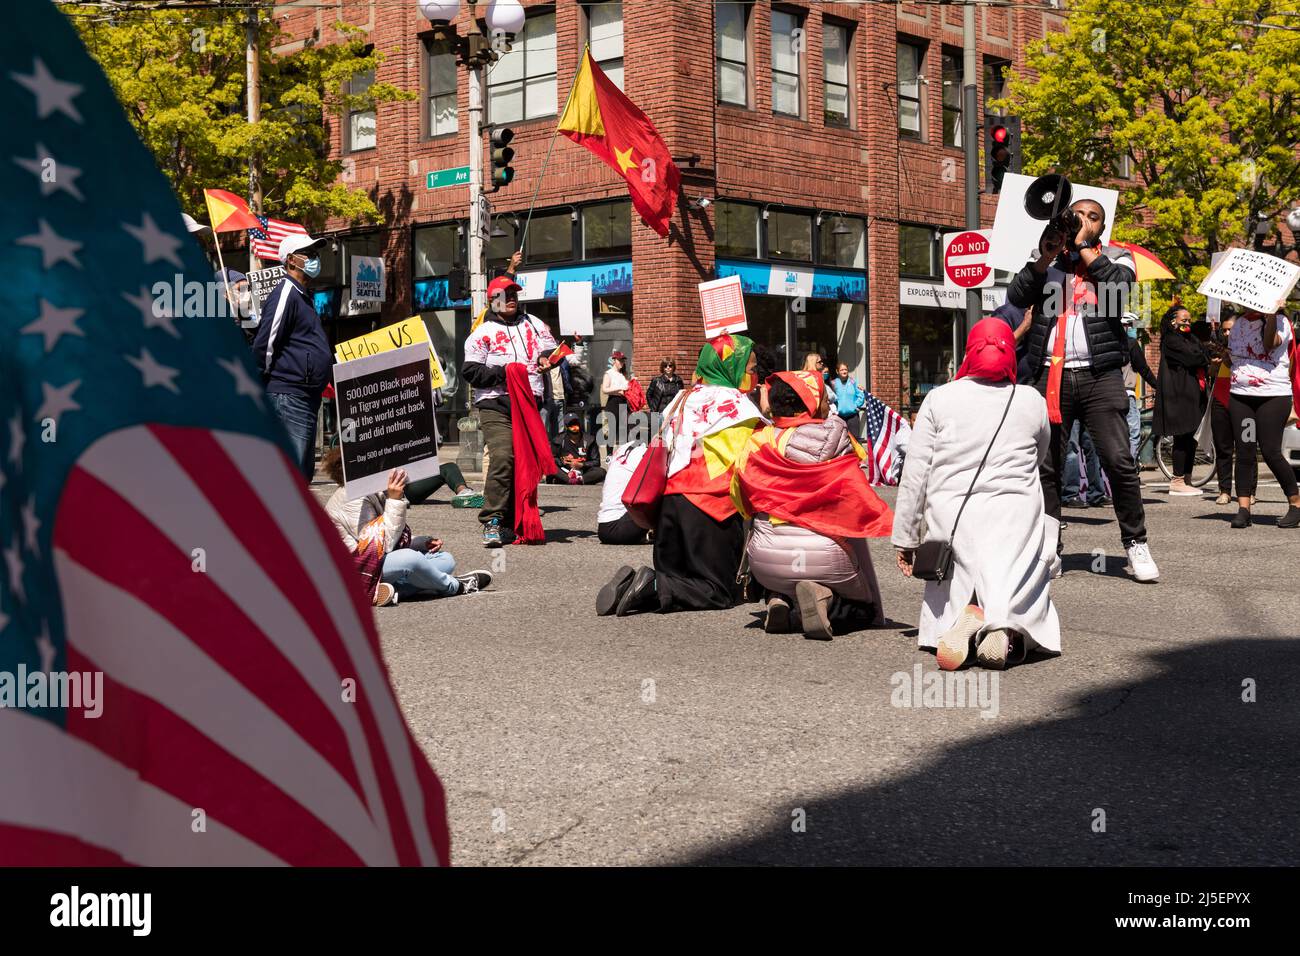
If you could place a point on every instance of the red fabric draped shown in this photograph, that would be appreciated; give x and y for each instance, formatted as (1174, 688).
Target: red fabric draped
(533, 457)
(832, 497)
(991, 352)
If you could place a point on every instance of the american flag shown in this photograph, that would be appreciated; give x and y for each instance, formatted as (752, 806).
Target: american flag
(155, 533)
(266, 241)
(885, 436)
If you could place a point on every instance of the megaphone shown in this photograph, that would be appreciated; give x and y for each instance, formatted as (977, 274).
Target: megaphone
(1048, 200)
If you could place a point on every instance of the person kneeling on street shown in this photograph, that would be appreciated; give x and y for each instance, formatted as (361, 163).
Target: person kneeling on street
(577, 456)
(613, 523)
(393, 564)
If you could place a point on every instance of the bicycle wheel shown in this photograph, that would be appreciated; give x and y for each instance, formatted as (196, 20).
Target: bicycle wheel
(1165, 456)
(1202, 463)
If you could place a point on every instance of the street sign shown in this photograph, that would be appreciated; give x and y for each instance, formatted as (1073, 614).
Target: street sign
(440, 178)
(965, 259)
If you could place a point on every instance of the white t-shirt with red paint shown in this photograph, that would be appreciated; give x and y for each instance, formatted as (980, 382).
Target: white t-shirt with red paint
(496, 345)
(1265, 373)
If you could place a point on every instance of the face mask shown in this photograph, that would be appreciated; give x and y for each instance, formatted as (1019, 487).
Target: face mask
(311, 268)
(574, 429)
(747, 383)
(1132, 333)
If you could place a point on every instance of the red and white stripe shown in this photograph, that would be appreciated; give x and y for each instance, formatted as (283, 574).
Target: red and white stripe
(277, 229)
(223, 687)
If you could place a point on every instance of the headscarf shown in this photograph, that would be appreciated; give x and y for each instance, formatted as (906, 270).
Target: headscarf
(990, 352)
(723, 361)
(809, 387)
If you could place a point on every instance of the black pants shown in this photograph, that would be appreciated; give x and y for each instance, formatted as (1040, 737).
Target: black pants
(1184, 455)
(417, 492)
(590, 476)
(1269, 416)
(696, 558)
(854, 423)
(1221, 426)
(622, 531)
(1099, 400)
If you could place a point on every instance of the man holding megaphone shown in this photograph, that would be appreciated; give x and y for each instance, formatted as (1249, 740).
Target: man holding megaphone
(1077, 348)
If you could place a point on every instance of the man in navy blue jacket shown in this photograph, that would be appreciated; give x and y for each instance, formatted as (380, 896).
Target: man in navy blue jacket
(292, 351)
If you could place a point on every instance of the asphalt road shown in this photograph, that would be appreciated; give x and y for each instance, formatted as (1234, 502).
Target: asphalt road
(563, 738)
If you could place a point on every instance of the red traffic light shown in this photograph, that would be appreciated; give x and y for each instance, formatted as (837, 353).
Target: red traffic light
(1001, 134)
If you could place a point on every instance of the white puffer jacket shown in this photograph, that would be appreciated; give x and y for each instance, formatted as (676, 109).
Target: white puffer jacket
(349, 517)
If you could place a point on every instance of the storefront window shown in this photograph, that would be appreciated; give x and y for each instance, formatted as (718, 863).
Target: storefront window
(916, 253)
(926, 351)
(841, 242)
(607, 231)
(789, 236)
(550, 238)
(501, 248)
(437, 249)
(736, 233)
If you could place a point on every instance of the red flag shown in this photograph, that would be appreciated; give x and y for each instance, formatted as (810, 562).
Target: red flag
(601, 118)
(831, 497)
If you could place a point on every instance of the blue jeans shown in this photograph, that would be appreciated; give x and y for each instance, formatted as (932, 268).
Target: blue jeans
(1070, 479)
(298, 415)
(1134, 424)
(417, 574)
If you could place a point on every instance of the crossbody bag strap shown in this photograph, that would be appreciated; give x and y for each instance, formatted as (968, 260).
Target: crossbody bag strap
(976, 476)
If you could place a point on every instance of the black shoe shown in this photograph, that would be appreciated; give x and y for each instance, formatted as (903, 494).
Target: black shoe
(607, 597)
(473, 582)
(1074, 503)
(1103, 502)
(640, 594)
(1242, 518)
(1291, 519)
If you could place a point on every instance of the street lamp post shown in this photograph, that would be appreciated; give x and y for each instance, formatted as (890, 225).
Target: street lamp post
(483, 43)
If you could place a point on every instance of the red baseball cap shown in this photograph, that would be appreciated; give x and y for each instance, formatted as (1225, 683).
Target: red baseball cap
(502, 284)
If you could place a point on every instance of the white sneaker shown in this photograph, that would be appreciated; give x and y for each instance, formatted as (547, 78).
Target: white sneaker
(1140, 563)
(1181, 489)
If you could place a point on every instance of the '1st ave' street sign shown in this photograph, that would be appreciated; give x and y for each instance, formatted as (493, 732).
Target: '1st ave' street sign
(448, 177)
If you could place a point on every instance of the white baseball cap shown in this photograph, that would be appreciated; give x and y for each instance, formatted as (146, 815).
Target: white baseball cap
(296, 243)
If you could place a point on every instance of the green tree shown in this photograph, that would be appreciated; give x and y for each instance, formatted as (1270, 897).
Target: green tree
(1201, 96)
(180, 76)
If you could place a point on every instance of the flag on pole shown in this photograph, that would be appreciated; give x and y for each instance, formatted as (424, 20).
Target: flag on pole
(885, 435)
(601, 118)
(230, 704)
(227, 211)
(265, 236)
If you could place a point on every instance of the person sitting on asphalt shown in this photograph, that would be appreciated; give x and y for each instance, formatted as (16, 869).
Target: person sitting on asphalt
(394, 564)
(813, 509)
(613, 524)
(577, 456)
(449, 475)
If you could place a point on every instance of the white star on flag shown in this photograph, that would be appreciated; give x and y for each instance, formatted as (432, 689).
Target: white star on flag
(57, 401)
(244, 384)
(31, 525)
(16, 439)
(152, 372)
(64, 176)
(46, 648)
(15, 562)
(153, 318)
(55, 322)
(54, 248)
(51, 94)
(157, 244)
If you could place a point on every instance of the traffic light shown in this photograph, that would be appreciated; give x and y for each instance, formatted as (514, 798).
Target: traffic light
(502, 154)
(1001, 150)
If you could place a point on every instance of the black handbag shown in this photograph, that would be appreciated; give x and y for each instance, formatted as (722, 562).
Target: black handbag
(933, 559)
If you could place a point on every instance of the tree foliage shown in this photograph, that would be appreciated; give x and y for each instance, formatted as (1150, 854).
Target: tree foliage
(1201, 96)
(180, 77)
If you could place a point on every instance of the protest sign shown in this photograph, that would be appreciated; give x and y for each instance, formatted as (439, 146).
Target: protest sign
(1015, 236)
(262, 282)
(1254, 280)
(385, 406)
(723, 304)
(575, 308)
(410, 331)
(1213, 306)
(368, 279)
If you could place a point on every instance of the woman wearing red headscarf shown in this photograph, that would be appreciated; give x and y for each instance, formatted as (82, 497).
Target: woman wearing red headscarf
(997, 599)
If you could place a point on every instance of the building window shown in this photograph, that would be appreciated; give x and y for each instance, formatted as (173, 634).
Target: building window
(841, 242)
(736, 233)
(360, 125)
(1123, 166)
(522, 84)
(607, 230)
(952, 82)
(437, 249)
(789, 235)
(787, 63)
(605, 35)
(502, 246)
(550, 238)
(440, 87)
(733, 52)
(839, 70)
(916, 252)
(995, 83)
(911, 62)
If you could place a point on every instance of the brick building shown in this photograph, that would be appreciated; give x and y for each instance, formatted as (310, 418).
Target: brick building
(833, 129)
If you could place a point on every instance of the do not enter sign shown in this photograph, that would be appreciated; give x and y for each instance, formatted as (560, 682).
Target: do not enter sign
(965, 259)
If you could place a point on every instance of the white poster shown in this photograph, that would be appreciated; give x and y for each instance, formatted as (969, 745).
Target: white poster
(1015, 233)
(532, 286)
(576, 308)
(368, 279)
(1213, 306)
(1251, 279)
(723, 303)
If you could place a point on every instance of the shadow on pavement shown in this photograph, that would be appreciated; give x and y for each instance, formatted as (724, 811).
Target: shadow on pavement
(1186, 772)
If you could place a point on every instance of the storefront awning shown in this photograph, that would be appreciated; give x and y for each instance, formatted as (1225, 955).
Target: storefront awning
(763, 278)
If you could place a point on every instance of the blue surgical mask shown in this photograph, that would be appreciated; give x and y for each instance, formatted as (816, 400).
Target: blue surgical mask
(311, 268)
(1132, 333)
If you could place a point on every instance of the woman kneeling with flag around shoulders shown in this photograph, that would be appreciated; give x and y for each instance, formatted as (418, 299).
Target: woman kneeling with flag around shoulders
(975, 451)
(700, 538)
(802, 480)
